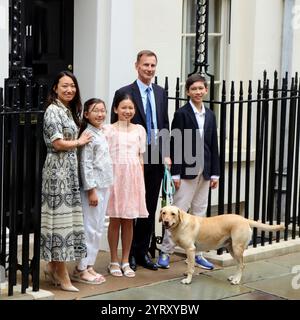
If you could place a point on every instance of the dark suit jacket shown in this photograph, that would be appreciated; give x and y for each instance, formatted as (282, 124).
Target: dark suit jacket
(184, 118)
(161, 102)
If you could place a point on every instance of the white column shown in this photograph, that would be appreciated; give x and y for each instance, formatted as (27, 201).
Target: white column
(122, 49)
(85, 44)
(287, 38)
(296, 36)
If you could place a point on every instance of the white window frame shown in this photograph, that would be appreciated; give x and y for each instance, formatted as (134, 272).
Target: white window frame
(222, 35)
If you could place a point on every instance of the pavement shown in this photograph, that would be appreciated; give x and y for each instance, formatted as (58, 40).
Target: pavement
(266, 277)
(276, 278)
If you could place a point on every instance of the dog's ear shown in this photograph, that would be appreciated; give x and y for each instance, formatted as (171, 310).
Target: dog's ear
(180, 214)
(160, 218)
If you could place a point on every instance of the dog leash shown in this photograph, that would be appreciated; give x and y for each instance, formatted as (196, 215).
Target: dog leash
(167, 199)
(168, 186)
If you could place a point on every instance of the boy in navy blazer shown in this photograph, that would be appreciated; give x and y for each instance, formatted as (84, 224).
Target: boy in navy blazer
(195, 160)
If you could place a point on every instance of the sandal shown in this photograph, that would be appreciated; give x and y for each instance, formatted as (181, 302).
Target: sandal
(99, 276)
(85, 277)
(114, 269)
(128, 272)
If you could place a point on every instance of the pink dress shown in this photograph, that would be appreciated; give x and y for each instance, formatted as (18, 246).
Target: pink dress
(127, 195)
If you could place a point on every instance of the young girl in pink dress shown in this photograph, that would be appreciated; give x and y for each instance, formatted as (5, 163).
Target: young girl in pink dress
(127, 143)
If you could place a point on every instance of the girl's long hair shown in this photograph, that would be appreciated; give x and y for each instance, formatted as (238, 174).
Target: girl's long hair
(75, 105)
(117, 100)
(86, 108)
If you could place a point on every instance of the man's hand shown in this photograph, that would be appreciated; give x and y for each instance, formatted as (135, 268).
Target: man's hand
(177, 183)
(214, 183)
(168, 162)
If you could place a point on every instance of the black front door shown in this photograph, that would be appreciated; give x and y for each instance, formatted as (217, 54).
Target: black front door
(49, 37)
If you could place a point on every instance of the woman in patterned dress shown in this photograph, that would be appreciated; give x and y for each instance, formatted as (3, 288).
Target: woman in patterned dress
(62, 232)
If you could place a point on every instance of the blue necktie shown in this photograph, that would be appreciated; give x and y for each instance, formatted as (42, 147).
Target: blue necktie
(149, 121)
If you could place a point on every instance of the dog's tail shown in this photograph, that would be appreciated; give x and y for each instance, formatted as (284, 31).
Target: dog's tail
(265, 227)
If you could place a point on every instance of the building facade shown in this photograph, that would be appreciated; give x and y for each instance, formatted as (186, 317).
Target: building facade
(99, 40)
(245, 38)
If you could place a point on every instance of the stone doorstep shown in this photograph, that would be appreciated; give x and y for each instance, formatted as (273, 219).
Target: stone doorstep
(29, 295)
(252, 254)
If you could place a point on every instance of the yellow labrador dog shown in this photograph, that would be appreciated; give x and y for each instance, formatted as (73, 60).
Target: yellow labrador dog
(228, 230)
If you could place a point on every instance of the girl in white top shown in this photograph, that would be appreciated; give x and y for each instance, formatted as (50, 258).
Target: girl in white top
(96, 174)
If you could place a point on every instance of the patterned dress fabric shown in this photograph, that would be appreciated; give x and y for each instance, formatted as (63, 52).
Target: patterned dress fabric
(127, 195)
(62, 233)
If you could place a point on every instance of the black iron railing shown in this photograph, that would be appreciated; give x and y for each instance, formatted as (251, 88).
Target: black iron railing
(22, 152)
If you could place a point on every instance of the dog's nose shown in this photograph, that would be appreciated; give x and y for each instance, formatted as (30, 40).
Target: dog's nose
(166, 224)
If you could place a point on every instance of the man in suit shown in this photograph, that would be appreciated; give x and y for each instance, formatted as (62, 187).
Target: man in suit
(151, 112)
(195, 160)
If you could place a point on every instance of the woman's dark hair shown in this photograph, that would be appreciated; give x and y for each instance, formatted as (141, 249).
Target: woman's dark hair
(86, 108)
(117, 100)
(75, 105)
(195, 78)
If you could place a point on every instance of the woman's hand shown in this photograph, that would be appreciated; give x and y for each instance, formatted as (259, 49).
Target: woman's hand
(65, 145)
(85, 138)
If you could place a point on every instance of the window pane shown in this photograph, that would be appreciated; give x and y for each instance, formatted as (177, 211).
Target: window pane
(213, 56)
(191, 17)
(189, 55)
(214, 24)
(214, 16)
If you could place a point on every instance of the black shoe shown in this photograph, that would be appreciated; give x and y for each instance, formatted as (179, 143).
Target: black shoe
(147, 263)
(132, 263)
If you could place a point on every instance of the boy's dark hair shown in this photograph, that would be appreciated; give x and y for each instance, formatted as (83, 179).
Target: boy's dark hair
(195, 78)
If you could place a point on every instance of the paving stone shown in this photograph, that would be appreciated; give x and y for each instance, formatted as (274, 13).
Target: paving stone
(253, 271)
(283, 286)
(201, 288)
(255, 295)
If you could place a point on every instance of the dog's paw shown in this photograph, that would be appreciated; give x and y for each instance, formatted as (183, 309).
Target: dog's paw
(230, 278)
(186, 281)
(234, 279)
